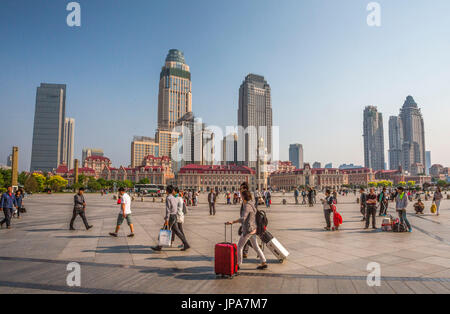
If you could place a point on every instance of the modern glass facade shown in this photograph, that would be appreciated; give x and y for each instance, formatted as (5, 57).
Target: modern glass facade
(48, 131)
(373, 139)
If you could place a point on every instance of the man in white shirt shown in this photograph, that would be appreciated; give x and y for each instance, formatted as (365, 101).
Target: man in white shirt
(124, 213)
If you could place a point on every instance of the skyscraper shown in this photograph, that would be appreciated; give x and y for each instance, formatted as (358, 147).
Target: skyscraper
(428, 163)
(229, 149)
(175, 96)
(395, 143)
(296, 155)
(174, 99)
(413, 134)
(68, 144)
(48, 131)
(254, 118)
(196, 142)
(373, 139)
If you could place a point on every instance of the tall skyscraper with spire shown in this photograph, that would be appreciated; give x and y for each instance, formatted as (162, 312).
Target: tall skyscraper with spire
(254, 118)
(413, 134)
(174, 99)
(175, 94)
(373, 139)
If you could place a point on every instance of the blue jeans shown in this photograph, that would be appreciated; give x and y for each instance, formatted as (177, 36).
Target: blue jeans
(403, 218)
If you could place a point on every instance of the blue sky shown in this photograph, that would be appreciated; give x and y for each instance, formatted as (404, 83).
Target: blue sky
(322, 60)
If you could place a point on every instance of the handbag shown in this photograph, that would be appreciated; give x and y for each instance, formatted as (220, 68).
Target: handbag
(433, 208)
(165, 237)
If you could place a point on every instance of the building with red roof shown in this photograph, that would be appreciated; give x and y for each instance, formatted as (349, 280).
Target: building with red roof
(217, 177)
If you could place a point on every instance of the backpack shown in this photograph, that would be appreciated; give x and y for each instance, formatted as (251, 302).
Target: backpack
(261, 222)
(399, 227)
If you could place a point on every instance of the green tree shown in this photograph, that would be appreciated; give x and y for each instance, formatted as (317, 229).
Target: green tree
(23, 176)
(31, 185)
(82, 179)
(102, 182)
(56, 183)
(94, 185)
(2, 181)
(144, 181)
(128, 184)
(373, 184)
(442, 183)
(6, 173)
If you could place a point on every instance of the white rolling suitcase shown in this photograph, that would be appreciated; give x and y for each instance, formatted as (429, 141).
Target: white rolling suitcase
(278, 249)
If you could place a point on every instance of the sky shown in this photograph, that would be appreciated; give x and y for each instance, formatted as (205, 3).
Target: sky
(323, 61)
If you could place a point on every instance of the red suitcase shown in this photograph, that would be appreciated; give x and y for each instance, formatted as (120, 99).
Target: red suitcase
(225, 257)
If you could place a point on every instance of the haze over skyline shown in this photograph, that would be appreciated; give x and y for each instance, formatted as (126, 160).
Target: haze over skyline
(322, 61)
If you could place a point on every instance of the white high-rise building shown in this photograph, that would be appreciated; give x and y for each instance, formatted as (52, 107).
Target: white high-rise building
(68, 145)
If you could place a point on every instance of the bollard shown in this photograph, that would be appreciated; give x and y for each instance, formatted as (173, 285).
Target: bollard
(448, 196)
(284, 201)
(357, 200)
(162, 200)
(142, 199)
(154, 200)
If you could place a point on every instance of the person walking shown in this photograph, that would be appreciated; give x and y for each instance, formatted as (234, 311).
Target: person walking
(181, 212)
(249, 226)
(401, 203)
(79, 208)
(268, 198)
(371, 208)
(437, 199)
(327, 202)
(296, 194)
(7, 204)
(19, 202)
(170, 219)
(335, 194)
(212, 198)
(124, 213)
(256, 196)
(362, 203)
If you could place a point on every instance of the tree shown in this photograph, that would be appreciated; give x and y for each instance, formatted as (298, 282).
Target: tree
(373, 184)
(56, 183)
(442, 183)
(23, 176)
(94, 185)
(402, 183)
(411, 183)
(2, 181)
(144, 181)
(31, 185)
(102, 182)
(41, 180)
(82, 179)
(6, 177)
(128, 184)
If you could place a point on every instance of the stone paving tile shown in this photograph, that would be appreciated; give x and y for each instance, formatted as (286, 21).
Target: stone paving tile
(418, 287)
(320, 262)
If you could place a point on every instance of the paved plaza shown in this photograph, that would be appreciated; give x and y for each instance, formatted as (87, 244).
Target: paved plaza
(35, 253)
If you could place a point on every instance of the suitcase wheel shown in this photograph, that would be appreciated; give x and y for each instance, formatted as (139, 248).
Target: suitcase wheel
(281, 261)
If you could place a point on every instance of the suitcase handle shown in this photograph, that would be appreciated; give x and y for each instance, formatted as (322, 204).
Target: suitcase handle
(231, 233)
